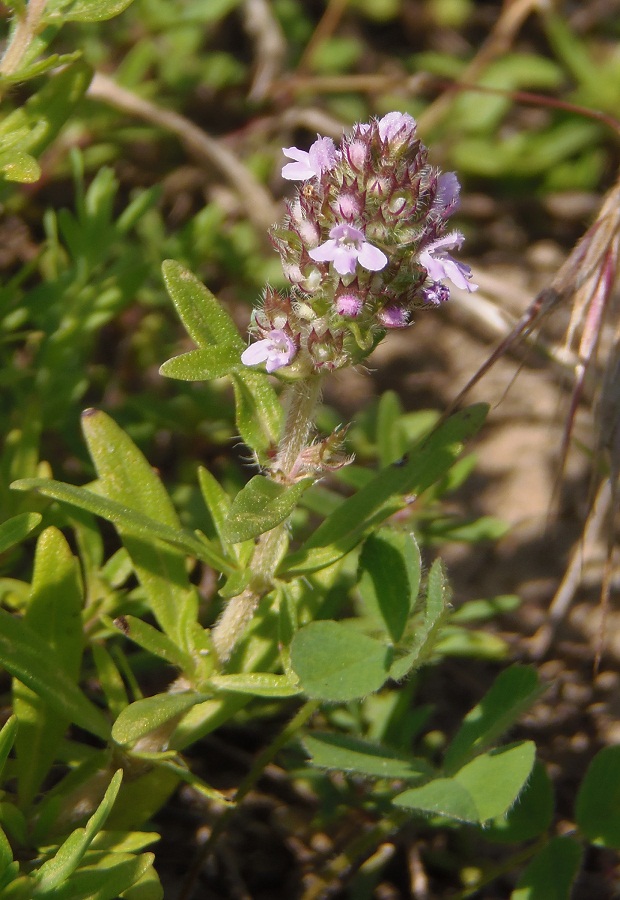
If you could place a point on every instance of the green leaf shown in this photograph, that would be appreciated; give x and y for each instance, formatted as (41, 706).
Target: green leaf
(391, 441)
(389, 600)
(146, 715)
(7, 866)
(483, 610)
(16, 529)
(551, 873)
(218, 504)
(44, 114)
(127, 519)
(203, 364)
(530, 816)
(68, 857)
(259, 684)
(440, 797)
(483, 789)
(110, 679)
(383, 496)
(495, 779)
(597, 809)
(204, 317)
(54, 613)
(433, 614)
(104, 878)
(94, 10)
(28, 657)
(512, 692)
(337, 663)
(16, 165)
(260, 506)
(258, 413)
(7, 737)
(351, 754)
(152, 640)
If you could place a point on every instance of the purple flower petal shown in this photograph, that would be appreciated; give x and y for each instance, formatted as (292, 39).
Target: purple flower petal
(393, 317)
(346, 247)
(448, 190)
(309, 164)
(324, 253)
(256, 353)
(345, 259)
(276, 350)
(397, 127)
(371, 258)
(439, 264)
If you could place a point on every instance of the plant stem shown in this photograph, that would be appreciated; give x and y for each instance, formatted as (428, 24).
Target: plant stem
(302, 398)
(25, 30)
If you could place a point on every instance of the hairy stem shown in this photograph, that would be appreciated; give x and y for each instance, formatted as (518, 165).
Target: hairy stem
(23, 34)
(301, 399)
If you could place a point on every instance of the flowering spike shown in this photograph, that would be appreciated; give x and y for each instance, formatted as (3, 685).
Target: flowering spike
(364, 243)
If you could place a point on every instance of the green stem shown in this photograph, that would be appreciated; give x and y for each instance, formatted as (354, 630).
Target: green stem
(302, 398)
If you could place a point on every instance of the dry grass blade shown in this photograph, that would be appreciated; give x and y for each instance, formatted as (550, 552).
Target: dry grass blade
(585, 279)
(608, 421)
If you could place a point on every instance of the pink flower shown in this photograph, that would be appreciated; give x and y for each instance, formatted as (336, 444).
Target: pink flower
(448, 190)
(276, 350)
(320, 157)
(439, 264)
(349, 304)
(393, 317)
(397, 128)
(346, 247)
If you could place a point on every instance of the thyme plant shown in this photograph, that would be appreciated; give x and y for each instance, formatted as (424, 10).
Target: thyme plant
(303, 595)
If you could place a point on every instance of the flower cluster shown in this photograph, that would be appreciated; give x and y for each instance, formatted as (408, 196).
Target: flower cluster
(363, 244)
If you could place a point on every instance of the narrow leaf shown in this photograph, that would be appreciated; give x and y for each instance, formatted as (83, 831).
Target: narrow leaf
(202, 314)
(16, 529)
(45, 112)
(94, 10)
(105, 878)
(351, 754)
(203, 364)
(260, 506)
(152, 640)
(54, 613)
(259, 684)
(28, 657)
(131, 520)
(7, 736)
(146, 715)
(68, 857)
(258, 413)
(126, 476)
